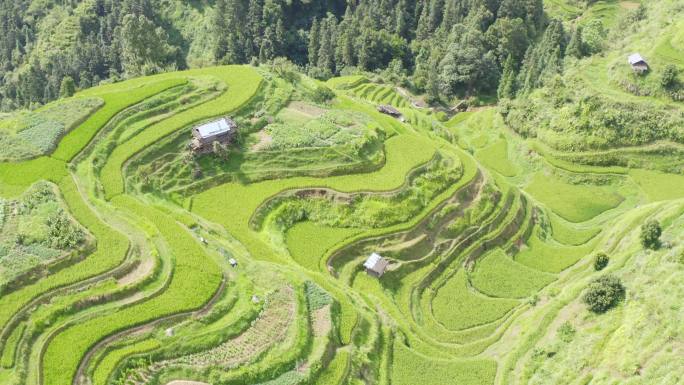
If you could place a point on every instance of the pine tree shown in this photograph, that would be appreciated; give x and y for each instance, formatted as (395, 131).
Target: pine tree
(423, 29)
(314, 43)
(575, 45)
(220, 30)
(266, 52)
(403, 19)
(326, 51)
(506, 88)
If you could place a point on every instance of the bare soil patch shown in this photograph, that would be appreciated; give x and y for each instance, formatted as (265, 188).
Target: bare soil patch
(320, 321)
(306, 108)
(629, 4)
(264, 142)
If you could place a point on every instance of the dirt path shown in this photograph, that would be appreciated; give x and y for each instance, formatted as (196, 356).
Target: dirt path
(183, 382)
(143, 270)
(307, 109)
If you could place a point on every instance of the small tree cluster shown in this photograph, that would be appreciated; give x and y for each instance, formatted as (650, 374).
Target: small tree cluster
(650, 235)
(600, 261)
(603, 293)
(62, 232)
(668, 78)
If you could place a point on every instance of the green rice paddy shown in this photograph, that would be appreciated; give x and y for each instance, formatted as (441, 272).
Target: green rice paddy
(201, 267)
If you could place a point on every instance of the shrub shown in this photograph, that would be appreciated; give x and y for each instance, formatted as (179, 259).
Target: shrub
(650, 235)
(600, 261)
(566, 332)
(603, 293)
(668, 78)
(322, 94)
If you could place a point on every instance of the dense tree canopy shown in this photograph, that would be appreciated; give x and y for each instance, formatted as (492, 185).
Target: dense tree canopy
(443, 47)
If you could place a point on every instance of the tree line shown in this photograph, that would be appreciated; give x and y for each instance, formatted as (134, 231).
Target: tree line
(445, 48)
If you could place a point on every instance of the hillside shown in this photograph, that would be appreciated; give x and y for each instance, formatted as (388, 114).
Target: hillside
(270, 224)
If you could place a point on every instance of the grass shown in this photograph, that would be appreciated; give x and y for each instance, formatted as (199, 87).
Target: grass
(410, 368)
(457, 307)
(498, 275)
(573, 202)
(309, 242)
(495, 157)
(659, 186)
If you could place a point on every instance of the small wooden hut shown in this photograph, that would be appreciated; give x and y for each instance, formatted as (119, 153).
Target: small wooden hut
(389, 110)
(376, 265)
(203, 136)
(638, 63)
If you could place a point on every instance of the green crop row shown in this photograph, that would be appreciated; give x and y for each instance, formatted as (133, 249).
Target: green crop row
(115, 101)
(195, 280)
(336, 370)
(243, 84)
(410, 368)
(496, 274)
(109, 363)
(111, 251)
(568, 234)
(403, 153)
(574, 202)
(544, 256)
(457, 307)
(307, 242)
(495, 157)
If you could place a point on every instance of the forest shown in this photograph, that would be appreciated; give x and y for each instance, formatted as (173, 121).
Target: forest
(49, 48)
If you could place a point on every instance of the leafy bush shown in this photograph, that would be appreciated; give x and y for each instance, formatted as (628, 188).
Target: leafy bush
(650, 235)
(600, 261)
(322, 94)
(566, 332)
(574, 120)
(668, 78)
(62, 231)
(603, 293)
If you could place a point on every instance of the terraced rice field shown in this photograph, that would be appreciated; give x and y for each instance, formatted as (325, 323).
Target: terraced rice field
(485, 267)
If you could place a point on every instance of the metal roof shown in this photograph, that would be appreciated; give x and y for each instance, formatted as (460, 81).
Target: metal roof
(372, 261)
(214, 128)
(635, 58)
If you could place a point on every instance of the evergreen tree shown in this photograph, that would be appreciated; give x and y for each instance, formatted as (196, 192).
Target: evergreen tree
(506, 88)
(67, 88)
(575, 45)
(326, 50)
(266, 52)
(314, 42)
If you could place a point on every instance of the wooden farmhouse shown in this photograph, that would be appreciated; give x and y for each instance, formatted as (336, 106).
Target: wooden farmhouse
(389, 110)
(376, 265)
(204, 136)
(638, 63)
